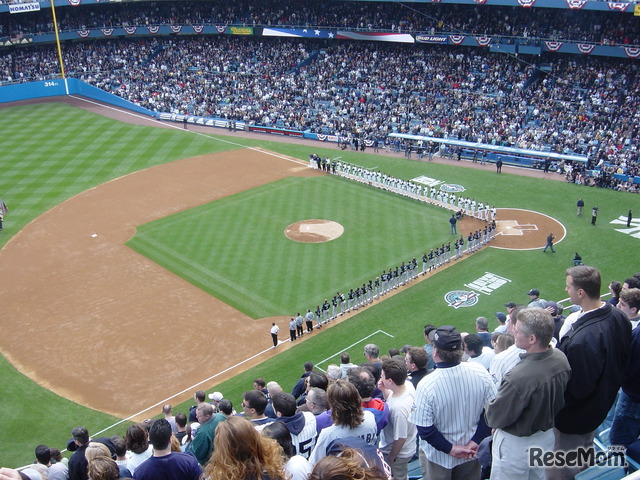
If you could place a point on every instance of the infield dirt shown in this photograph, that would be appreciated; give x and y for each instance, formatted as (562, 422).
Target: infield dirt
(99, 324)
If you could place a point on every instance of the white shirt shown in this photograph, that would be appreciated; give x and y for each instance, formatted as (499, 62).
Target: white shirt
(399, 425)
(504, 362)
(484, 358)
(298, 468)
(136, 459)
(275, 329)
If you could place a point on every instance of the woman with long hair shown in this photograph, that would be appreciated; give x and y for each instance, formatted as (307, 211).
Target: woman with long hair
(241, 453)
(137, 440)
(349, 419)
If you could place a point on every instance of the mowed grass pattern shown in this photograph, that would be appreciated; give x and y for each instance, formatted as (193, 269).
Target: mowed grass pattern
(236, 249)
(50, 152)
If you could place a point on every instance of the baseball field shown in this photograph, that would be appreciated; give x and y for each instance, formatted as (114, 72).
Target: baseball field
(140, 263)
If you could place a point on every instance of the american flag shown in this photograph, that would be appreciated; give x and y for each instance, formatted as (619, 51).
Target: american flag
(3, 207)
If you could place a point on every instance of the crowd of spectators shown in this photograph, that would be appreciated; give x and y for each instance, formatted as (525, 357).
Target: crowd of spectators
(377, 407)
(606, 28)
(583, 105)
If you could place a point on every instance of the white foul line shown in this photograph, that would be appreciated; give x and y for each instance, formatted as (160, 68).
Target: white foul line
(352, 345)
(126, 112)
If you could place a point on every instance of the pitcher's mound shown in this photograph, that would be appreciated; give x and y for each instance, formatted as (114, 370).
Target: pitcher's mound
(314, 231)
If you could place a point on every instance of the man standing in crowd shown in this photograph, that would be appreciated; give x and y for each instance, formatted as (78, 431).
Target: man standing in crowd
(165, 464)
(451, 426)
(629, 303)
(502, 322)
(597, 342)
(416, 360)
(503, 362)
(345, 364)
(300, 387)
(528, 399)
(78, 461)
(477, 352)
(199, 397)
(625, 428)
(398, 438)
(202, 444)
(371, 353)
(254, 403)
(167, 411)
(301, 425)
(534, 299)
(482, 330)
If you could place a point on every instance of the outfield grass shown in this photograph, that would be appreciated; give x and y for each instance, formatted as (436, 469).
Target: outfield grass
(52, 152)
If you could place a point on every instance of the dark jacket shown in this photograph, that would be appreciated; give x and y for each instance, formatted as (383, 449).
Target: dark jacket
(631, 385)
(597, 347)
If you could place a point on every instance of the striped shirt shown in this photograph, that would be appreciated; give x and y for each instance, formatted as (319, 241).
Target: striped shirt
(503, 362)
(451, 400)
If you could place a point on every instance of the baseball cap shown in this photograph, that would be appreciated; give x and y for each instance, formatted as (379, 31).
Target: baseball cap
(501, 316)
(447, 338)
(71, 445)
(534, 291)
(215, 396)
(510, 305)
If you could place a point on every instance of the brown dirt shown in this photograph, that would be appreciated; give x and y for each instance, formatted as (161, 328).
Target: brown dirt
(525, 230)
(99, 324)
(314, 231)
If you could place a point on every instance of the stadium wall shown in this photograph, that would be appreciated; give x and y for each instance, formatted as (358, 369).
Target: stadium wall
(70, 86)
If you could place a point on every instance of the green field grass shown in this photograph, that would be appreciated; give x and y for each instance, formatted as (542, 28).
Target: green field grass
(52, 152)
(245, 259)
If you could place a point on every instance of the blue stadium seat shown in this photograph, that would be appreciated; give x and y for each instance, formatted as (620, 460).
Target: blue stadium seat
(415, 473)
(598, 472)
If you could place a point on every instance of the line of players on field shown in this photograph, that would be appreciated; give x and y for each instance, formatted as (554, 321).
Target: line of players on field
(389, 280)
(424, 193)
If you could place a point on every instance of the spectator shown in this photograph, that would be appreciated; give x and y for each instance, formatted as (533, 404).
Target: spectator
(242, 453)
(165, 464)
(349, 419)
(296, 466)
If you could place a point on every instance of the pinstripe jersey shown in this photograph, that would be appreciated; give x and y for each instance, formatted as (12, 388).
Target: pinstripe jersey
(451, 399)
(503, 362)
(306, 439)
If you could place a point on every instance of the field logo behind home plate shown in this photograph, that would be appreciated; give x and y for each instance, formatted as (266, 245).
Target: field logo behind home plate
(461, 298)
(452, 188)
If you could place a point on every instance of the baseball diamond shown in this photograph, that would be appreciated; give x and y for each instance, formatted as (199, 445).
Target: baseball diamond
(72, 287)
